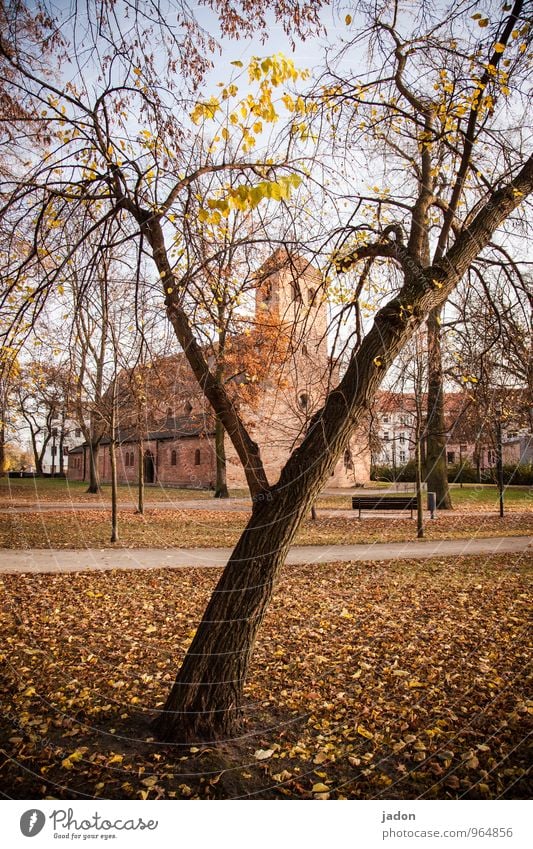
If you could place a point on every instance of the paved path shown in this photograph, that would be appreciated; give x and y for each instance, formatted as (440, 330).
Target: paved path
(51, 561)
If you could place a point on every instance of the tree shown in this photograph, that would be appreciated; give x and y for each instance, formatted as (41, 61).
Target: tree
(43, 400)
(140, 187)
(9, 377)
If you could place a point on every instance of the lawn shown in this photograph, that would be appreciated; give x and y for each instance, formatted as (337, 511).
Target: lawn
(386, 680)
(21, 491)
(197, 528)
(30, 490)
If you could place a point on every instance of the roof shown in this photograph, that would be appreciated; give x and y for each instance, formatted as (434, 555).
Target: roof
(174, 427)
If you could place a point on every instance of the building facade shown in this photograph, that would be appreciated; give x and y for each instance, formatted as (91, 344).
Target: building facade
(179, 448)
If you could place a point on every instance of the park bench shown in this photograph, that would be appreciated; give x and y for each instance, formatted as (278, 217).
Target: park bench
(391, 502)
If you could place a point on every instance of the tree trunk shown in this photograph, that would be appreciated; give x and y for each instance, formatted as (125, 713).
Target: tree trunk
(205, 700)
(114, 493)
(140, 478)
(221, 487)
(3, 463)
(94, 479)
(436, 468)
(61, 455)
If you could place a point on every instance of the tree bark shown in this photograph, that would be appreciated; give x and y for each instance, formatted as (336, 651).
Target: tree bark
(94, 479)
(140, 478)
(436, 467)
(3, 464)
(205, 701)
(114, 492)
(221, 487)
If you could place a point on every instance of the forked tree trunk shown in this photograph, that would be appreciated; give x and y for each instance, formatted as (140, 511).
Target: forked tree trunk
(436, 467)
(204, 702)
(94, 478)
(221, 487)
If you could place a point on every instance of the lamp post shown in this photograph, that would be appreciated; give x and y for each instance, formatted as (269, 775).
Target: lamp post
(499, 457)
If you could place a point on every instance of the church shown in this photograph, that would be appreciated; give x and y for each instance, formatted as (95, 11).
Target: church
(178, 434)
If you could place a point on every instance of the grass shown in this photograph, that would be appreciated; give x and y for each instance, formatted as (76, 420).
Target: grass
(210, 528)
(21, 491)
(392, 680)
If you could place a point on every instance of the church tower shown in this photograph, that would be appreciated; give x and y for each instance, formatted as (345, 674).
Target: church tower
(292, 291)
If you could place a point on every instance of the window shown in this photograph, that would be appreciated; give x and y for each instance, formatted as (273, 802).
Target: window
(491, 457)
(187, 407)
(65, 451)
(77, 432)
(403, 457)
(348, 462)
(54, 450)
(386, 436)
(173, 458)
(303, 400)
(512, 434)
(311, 295)
(197, 457)
(304, 350)
(267, 291)
(463, 447)
(450, 457)
(402, 437)
(386, 419)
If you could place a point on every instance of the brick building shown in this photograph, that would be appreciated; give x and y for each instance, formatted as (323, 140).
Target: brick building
(178, 440)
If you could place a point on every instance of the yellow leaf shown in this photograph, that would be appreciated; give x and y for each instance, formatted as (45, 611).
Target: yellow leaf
(237, 63)
(348, 20)
(499, 47)
(320, 788)
(116, 759)
(364, 732)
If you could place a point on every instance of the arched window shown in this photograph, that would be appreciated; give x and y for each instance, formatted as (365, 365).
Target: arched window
(132, 458)
(310, 295)
(197, 457)
(187, 407)
(303, 401)
(127, 458)
(173, 458)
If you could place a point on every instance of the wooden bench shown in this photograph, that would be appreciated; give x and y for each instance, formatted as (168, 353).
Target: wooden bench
(389, 502)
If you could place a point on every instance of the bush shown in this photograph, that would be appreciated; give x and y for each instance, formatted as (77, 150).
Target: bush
(520, 475)
(463, 473)
(404, 474)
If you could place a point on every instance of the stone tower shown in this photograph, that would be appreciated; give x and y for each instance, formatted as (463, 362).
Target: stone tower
(292, 291)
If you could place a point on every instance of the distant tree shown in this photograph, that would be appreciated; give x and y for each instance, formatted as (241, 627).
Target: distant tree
(42, 400)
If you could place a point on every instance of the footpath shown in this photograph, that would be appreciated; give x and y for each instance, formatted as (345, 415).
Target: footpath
(44, 561)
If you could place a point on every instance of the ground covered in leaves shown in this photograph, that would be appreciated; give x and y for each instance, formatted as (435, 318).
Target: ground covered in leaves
(211, 528)
(401, 679)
